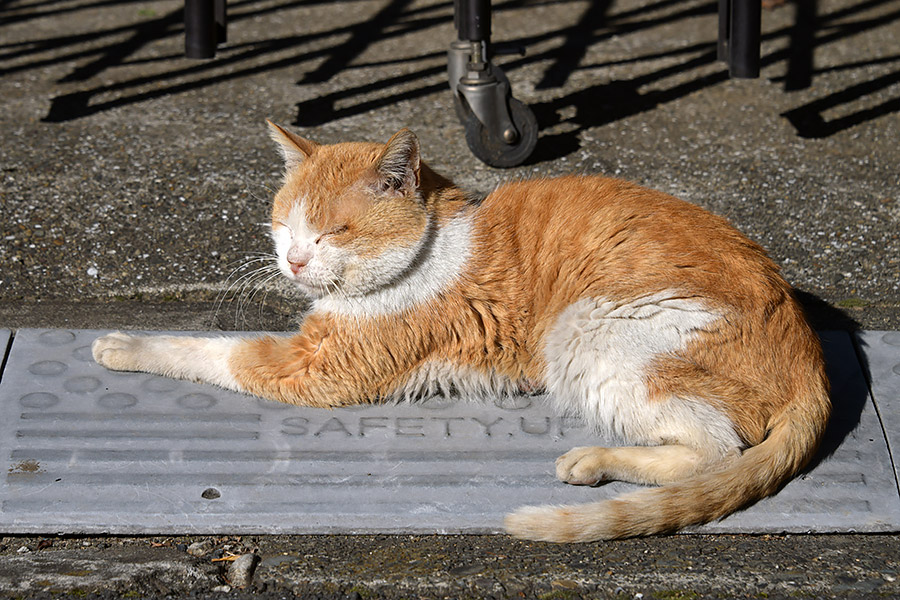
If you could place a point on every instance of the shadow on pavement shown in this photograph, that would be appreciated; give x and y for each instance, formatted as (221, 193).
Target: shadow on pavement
(848, 400)
(97, 53)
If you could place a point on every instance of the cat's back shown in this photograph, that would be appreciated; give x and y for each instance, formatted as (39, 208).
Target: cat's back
(577, 233)
(598, 207)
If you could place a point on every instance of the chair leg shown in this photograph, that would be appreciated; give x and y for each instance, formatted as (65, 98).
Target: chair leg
(199, 29)
(739, 36)
(221, 11)
(724, 30)
(746, 20)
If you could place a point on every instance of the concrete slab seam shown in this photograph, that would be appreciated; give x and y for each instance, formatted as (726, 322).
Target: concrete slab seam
(881, 366)
(5, 345)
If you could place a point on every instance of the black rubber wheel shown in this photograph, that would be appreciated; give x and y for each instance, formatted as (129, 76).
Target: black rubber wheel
(495, 151)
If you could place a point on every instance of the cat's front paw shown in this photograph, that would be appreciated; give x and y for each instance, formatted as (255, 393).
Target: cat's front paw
(582, 466)
(117, 351)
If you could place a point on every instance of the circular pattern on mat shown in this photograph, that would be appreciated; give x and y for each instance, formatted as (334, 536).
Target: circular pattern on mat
(196, 401)
(47, 368)
(83, 354)
(82, 385)
(513, 402)
(39, 400)
(159, 384)
(56, 337)
(117, 401)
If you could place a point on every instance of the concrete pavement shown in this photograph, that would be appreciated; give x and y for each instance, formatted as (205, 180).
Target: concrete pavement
(134, 181)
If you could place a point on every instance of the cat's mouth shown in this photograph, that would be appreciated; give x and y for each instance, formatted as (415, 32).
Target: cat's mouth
(313, 285)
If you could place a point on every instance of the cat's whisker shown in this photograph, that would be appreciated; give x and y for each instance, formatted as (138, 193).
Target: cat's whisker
(250, 258)
(269, 254)
(261, 276)
(264, 287)
(237, 293)
(243, 276)
(250, 278)
(334, 288)
(231, 284)
(245, 263)
(251, 286)
(270, 192)
(347, 298)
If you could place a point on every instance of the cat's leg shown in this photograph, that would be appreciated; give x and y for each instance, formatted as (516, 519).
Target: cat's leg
(678, 438)
(637, 464)
(196, 359)
(317, 367)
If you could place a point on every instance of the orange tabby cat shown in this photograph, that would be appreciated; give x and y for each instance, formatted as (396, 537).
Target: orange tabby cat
(654, 320)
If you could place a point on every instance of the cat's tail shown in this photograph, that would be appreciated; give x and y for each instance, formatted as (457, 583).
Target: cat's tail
(760, 471)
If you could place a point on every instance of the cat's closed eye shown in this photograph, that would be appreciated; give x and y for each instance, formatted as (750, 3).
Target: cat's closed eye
(332, 232)
(285, 225)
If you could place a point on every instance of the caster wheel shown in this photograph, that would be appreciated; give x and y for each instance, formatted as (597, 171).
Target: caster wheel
(496, 152)
(462, 111)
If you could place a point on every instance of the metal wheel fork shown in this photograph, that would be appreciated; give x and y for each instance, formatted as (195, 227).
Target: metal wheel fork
(500, 130)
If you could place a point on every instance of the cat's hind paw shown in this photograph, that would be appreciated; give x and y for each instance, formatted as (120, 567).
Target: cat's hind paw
(117, 351)
(582, 466)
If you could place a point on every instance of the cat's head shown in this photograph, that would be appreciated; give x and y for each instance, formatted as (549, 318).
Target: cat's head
(350, 217)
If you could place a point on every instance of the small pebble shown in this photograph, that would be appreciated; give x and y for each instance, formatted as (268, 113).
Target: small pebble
(24, 550)
(565, 584)
(199, 548)
(240, 572)
(222, 588)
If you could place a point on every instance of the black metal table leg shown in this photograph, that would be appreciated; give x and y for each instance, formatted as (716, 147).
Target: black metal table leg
(221, 22)
(739, 36)
(473, 20)
(204, 27)
(746, 19)
(724, 30)
(199, 28)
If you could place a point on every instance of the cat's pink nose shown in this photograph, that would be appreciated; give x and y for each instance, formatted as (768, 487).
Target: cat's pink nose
(298, 257)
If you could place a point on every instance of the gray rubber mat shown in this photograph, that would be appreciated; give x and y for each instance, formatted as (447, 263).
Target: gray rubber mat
(86, 450)
(881, 355)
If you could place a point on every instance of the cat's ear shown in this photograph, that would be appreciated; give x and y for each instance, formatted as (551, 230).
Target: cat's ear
(294, 148)
(397, 167)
